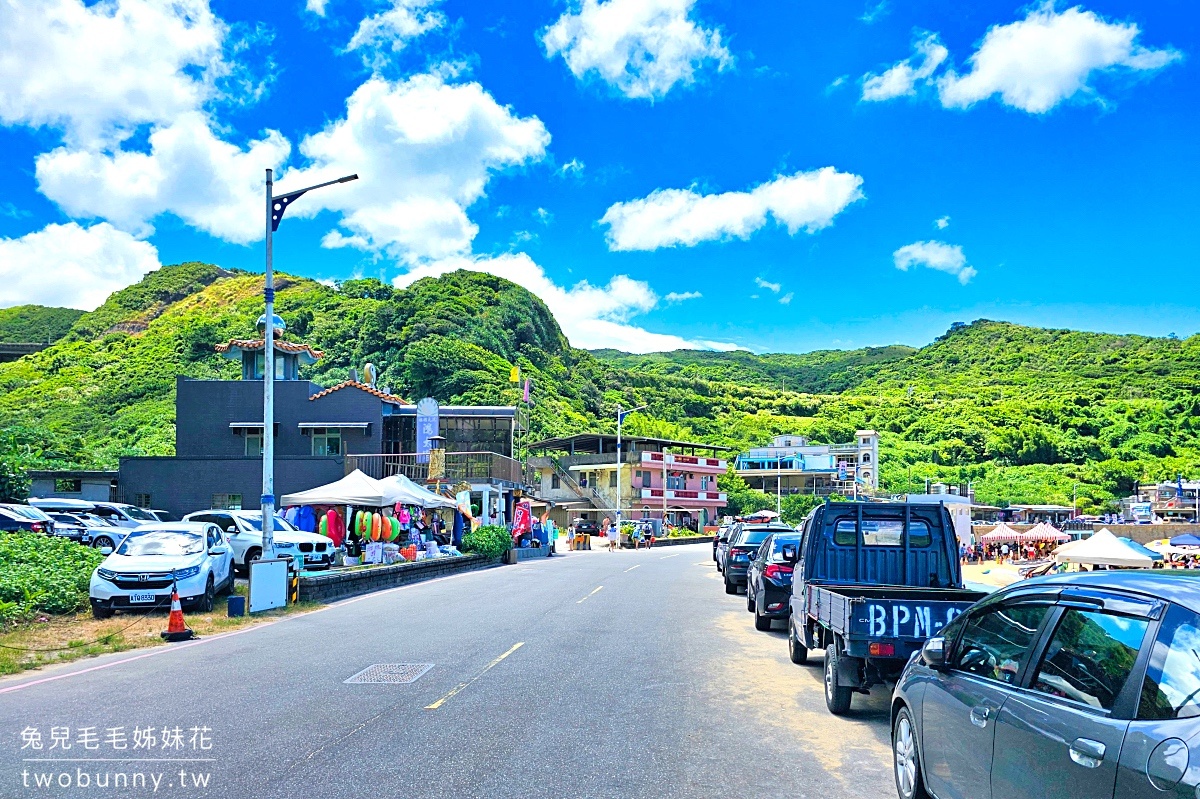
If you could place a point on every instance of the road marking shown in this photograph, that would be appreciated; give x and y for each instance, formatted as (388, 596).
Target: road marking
(677, 554)
(464, 685)
(631, 568)
(594, 590)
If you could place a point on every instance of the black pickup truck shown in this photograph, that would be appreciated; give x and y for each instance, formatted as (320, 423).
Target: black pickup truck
(873, 581)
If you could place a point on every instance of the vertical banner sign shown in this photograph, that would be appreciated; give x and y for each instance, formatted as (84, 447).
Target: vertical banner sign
(522, 518)
(427, 427)
(841, 470)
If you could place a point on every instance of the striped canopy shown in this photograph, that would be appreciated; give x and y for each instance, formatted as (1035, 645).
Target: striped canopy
(1043, 532)
(1000, 535)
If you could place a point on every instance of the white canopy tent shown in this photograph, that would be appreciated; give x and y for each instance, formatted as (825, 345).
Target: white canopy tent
(1104, 549)
(403, 490)
(355, 488)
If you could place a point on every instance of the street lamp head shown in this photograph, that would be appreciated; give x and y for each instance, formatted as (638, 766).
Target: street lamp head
(347, 179)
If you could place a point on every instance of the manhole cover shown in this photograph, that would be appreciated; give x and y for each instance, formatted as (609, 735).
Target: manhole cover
(390, 674)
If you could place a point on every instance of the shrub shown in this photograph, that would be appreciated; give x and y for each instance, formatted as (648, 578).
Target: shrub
(490, 540)
(43, 574)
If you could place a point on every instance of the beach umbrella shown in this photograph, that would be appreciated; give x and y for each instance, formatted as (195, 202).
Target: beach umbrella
(1185, 540)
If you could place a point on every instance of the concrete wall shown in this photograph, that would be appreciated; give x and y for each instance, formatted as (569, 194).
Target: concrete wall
(92, 490)
(183, 485)
(338, 584)
(205, 408)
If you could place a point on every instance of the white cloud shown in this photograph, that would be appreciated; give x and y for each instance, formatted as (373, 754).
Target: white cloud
(875, 13)
(935, 255)
(393, 29)
(942, 222)
(641, 47)
(682, 296)
(1036, 63)
(763, 284)
(102, 70)
(188, 171)
(836, 83)
(591, 316)
(425, 151)
(786, 299)
(901, 79)
(670, 217)
(544, 216)
(572, 167)
(316, 6)
(73, 266)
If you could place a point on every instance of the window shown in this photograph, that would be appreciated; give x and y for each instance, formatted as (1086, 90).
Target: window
(883, 533)
(645, 511)
(612, 479)
(995, 643)
(326, 441)
(1090, 656)
(254, 443)
(141, 500)
(69, 485)
(227, 501)
(554, 481)
(1172, 686)
(258, 366)
(866, 458)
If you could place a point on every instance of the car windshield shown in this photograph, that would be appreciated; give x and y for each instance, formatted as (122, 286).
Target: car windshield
(137, 513)
(161, 542)
(256, 522)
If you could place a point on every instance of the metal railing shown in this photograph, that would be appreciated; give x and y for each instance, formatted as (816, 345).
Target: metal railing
(468, 466)
(592, 495)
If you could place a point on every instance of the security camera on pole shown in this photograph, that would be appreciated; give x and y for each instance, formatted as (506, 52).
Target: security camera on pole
(275, 209)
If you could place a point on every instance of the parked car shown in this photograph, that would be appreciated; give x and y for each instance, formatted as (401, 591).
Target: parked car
(873, 581)
(244, 531)
(586, 527)
(87, 529)
(140, 573)
(722, 545)
(162, 515)
(722, 533)
(1076, 685)
(743, 544)
(61, 505)
(769, 580)
(15, 517)
(122, 515)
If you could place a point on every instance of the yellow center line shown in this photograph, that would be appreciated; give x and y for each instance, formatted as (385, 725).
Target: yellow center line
(463, 685)
(594, 590)
(631, 568)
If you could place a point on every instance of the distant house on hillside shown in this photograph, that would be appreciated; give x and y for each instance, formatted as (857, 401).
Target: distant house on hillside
(792, 465)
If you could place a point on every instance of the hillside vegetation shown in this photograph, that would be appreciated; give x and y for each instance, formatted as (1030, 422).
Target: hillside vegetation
(1025, 414)
(35, 324)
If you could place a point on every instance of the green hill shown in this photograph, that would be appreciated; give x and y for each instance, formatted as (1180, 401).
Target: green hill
(1025, 414)
(35, 324)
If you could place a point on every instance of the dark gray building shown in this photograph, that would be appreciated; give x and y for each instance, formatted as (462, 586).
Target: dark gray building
(319, 434)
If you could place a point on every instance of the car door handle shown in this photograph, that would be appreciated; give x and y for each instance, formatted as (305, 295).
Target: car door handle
(1087, 753)
(980, 715)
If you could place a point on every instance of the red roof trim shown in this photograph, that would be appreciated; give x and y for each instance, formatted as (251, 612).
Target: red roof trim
(361, 387)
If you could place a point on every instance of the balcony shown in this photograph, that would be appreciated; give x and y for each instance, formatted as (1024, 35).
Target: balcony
(691, 463)
(472, 467)
(673, 494)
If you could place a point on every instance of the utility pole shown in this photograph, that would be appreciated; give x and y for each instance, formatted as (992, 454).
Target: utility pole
(778, 484)
(276, 206)
(620, 420)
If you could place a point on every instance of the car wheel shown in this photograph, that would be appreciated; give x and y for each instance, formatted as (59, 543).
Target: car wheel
(253, 553)
(99, 542)
(749, 599)
(730, 588)
(761, 622)
(101, 613)
(206, 602)
(797, 651)
(837, 697)
(907, 758)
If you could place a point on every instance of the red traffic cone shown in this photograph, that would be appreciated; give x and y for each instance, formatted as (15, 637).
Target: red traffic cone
(176, 629)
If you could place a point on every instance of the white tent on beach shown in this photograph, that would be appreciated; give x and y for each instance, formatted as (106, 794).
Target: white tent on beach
(1105, 549)
(405, 491)
(355, 488)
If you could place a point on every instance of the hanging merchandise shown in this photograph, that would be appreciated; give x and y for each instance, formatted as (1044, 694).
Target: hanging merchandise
(306, 519)
(331, 527)
(376, 526)
(395, 523)
(324, 528)
(403, 515)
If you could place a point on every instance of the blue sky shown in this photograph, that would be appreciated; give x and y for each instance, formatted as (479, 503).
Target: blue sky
(664, 173)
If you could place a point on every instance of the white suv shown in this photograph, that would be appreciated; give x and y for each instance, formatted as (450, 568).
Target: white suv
(243, 528)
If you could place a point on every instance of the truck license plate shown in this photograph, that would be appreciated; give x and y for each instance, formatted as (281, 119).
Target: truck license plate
(142, 598)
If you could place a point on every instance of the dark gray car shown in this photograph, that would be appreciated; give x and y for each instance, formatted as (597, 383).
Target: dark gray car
(1082, 685)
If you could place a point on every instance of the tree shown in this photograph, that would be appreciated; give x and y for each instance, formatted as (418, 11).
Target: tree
(14, 485)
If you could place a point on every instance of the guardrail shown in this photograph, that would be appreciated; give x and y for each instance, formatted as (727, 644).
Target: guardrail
(468, 466)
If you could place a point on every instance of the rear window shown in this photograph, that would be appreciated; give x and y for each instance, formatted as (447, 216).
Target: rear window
(751, 537)
(883, 533)
(780, 541)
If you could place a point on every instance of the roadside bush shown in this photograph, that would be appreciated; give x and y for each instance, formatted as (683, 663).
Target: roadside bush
(490, 540)
(43, 574)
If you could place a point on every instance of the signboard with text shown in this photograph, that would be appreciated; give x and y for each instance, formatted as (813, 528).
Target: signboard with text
(427, 427)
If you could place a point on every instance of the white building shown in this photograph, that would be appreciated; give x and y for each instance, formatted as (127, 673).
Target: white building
(792, 465)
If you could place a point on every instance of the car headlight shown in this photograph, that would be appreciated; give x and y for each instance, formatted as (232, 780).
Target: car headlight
(284, 545)
(190, 571)
(107, 574)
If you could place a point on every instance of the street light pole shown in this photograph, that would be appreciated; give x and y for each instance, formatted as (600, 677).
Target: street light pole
(275, 209)
(778, 485)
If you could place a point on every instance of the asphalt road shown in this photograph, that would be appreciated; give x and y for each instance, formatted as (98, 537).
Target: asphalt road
(633, 675)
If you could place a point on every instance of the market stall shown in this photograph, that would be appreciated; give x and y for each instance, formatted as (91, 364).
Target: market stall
(1106, 549)
(1001, 534)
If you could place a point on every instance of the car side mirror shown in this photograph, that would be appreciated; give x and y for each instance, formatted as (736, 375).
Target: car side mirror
(791, 553)
(231, 530)
(219, 549)
(933, 653)
(106, 550)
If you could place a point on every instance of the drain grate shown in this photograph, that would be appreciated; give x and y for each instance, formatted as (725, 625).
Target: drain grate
(390, 674)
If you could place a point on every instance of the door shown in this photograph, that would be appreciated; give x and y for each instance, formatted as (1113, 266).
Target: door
(960, 705)
(1155, 755)
(1067, 728)
(220, 563)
